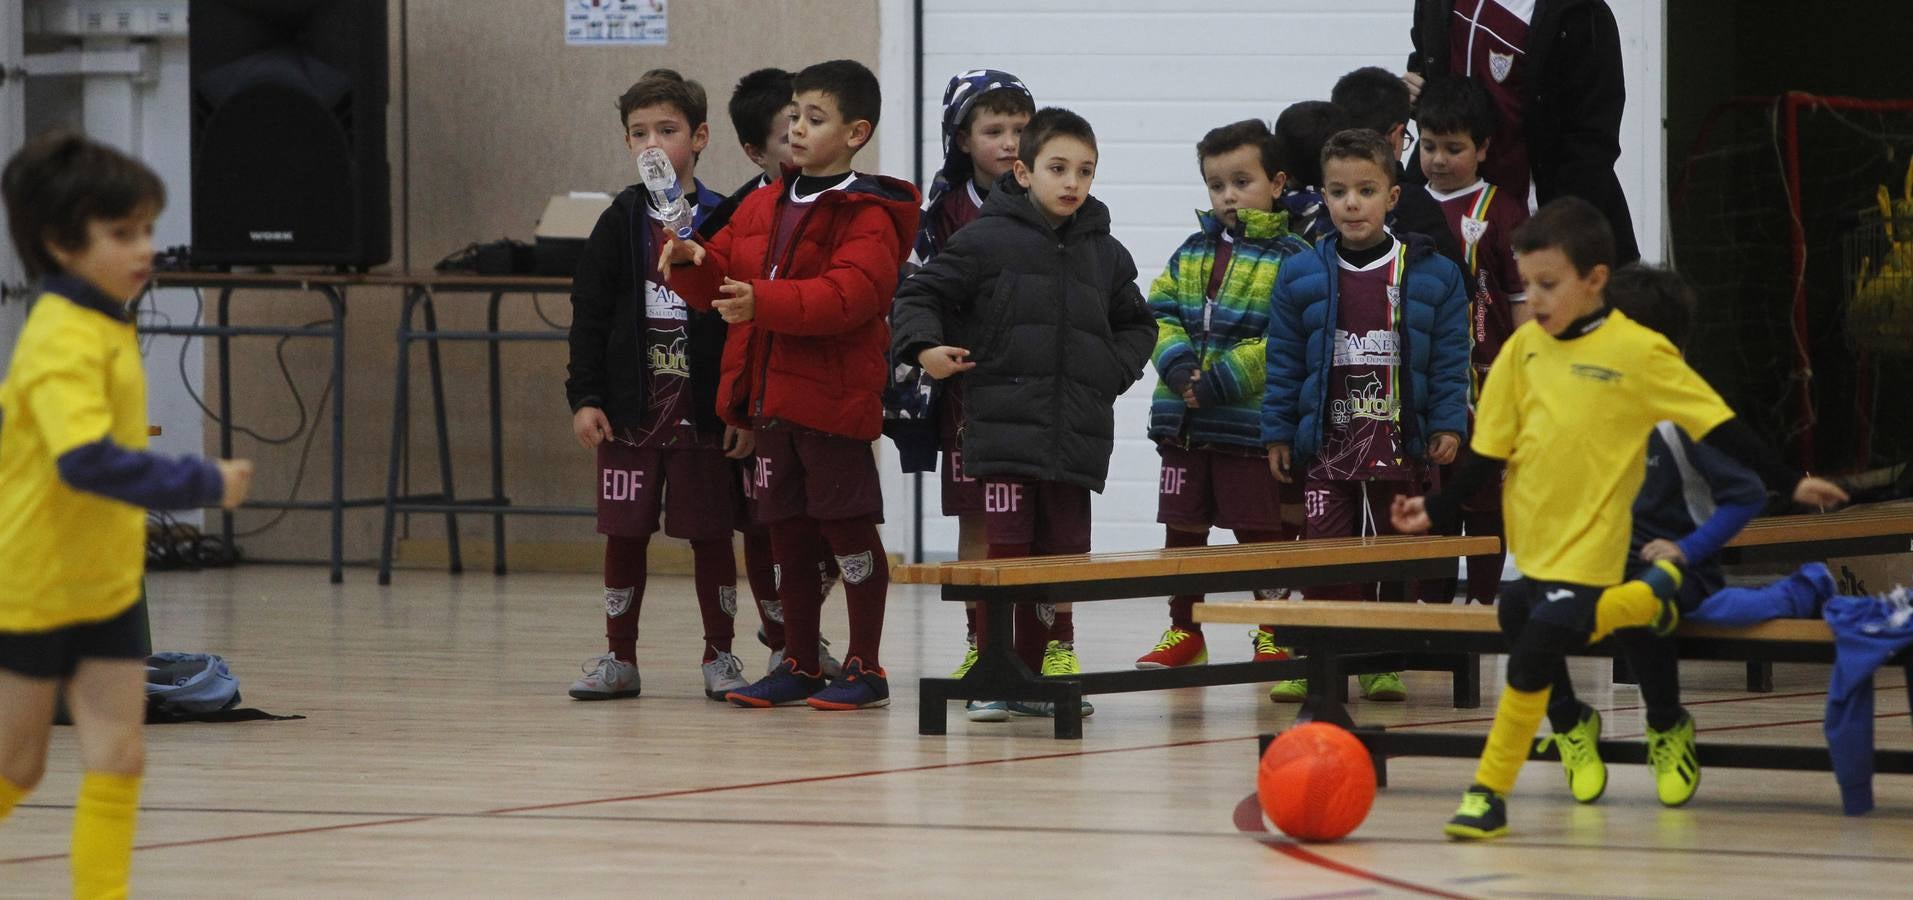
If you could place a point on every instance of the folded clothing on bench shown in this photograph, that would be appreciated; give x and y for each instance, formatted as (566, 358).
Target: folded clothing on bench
(1867, 631)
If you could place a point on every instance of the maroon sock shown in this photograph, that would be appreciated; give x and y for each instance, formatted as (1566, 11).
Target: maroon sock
(763, 577)
(1182, 607)
(1022, 609)
(1064, 628)
(1484, 572)
(714, 574)
(797, 545)
(624, 564)
(857, 549)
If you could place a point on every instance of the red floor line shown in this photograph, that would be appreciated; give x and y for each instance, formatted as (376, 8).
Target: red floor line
(1248, 819)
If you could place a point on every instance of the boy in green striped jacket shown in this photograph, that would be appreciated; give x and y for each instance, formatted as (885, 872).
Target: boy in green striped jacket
(1212, 306)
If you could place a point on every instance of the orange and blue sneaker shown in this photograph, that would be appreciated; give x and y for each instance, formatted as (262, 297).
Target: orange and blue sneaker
(784, 686)
(854, 689)
(1179, 647)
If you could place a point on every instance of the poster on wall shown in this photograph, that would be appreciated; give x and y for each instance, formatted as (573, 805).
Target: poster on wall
(591, 23)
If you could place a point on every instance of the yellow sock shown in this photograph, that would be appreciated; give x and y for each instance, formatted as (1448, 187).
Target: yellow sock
(10, 795)
(1630, 606)
(1517, 717)
(103, 835)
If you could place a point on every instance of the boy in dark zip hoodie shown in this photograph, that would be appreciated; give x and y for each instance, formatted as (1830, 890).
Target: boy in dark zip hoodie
(804, 275)
(1038, 306)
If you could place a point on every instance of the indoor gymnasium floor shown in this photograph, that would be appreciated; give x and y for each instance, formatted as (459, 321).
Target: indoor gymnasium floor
(441, 757)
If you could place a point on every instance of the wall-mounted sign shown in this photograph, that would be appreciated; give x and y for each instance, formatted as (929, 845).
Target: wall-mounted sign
(599, 22)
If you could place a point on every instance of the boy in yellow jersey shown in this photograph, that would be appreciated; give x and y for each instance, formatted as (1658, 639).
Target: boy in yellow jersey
(75, 484)
(1568, 405)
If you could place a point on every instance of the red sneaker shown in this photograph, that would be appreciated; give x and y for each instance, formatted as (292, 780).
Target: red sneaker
(1177, 648)
(1265, 648)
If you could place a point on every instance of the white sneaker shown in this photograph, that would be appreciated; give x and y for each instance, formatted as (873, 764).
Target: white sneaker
(722, 675)
(987, 711)
(606, 678)
(831, 666)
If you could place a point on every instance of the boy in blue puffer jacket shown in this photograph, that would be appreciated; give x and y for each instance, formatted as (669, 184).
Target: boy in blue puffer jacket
(1211, 304)
(1368, 370)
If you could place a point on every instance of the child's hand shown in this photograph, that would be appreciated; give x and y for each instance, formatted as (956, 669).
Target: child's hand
(739, 303)
(1442, 450)
(943, 362)
(1413, 80)
(1662, 548)
(739, 442)
(591, 427)
(1279, 462)
(236, 475)
(1410, 515)
(1818, 492)
(1189, 397)
(677, 252)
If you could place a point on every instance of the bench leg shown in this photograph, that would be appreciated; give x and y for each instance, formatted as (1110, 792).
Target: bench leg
(1375, 756)
(1623, 673)
(1760, 677)
(1328, 690)
(1069, 711)
(1468, 681)
(933, 700)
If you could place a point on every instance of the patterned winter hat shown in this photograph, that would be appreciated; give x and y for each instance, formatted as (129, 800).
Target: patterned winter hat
(959, 97)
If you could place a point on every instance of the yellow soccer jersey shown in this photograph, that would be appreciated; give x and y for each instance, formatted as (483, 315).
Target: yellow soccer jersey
(74, 474)
(1572, 417)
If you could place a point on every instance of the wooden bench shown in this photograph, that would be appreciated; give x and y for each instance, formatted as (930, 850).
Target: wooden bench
(997, 585)
(1323, 632)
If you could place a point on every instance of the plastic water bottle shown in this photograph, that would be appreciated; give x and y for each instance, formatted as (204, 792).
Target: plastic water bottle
(661, 178)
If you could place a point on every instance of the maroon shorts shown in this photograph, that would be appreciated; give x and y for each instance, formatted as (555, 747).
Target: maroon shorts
(810, 474)
(1052, 518)
(1203, 488)
(962, 495)
(691, 488)
(1334, 509)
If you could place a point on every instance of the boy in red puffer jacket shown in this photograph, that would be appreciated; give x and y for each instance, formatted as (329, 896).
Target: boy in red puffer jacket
(804, 276)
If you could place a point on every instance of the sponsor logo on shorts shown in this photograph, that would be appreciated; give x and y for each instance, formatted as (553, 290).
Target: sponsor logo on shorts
(617, 601)
(1173, 478)
(762, 476)
(956, 468)
(1315, 504)
(1002, 497)
(857, 567)
(1562, 594)
(621, 484)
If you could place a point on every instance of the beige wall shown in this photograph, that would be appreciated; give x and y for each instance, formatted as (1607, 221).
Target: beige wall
(501, 115)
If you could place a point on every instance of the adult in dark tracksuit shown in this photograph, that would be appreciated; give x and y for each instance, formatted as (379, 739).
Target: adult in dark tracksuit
(1554, 70)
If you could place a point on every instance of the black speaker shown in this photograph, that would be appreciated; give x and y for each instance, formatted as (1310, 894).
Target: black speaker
(288, 132)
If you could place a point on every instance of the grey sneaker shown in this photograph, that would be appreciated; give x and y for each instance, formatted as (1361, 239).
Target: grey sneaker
(606, 678)
(722, 675)
(987, 711)
(831, 666)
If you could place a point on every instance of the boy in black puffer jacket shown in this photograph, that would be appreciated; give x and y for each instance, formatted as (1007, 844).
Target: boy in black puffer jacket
(1038, 304)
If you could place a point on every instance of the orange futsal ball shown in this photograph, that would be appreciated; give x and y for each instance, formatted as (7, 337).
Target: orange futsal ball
(1316, 783)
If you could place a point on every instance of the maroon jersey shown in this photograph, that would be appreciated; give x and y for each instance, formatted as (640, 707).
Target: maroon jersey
(1488, 41)
(1361, 432)
(1483, 219)
(789, 216)
(953, 211)
(1225, 249)
(668, 417)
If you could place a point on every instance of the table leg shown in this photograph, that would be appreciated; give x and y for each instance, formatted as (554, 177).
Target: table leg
(400, 390)
(445, 488)
(498, 444)
(336, 297)
(222, 315)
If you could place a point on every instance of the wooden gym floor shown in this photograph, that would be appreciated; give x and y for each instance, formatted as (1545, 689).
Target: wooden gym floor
(441, 757)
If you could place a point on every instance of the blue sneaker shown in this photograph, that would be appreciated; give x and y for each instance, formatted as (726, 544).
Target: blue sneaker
(854, 689)
(784, 686)
(987, 711)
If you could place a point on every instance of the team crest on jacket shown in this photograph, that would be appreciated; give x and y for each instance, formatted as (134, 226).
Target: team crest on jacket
(1499, 65)
(1472, 229)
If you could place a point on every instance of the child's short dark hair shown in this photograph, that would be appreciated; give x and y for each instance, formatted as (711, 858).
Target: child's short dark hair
(850, 83)
(1363, 143)
(1657, 298)
(1301, 130)
(1049, 123)
(1374, 98)
(1456, 103)
(665, 86)
(1574, 227)
(758, 97)
(1004, 101)
(1246, 133)
(59, 182)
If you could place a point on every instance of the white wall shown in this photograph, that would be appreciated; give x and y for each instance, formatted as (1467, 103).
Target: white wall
(12, 130)
(1152, 78)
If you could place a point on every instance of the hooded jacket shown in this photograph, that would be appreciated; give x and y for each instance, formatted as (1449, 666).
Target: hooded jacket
(813, 356)
(607, 365)
(1224, 340)
(1571, 115)
(1057, 328)
(1434, 349)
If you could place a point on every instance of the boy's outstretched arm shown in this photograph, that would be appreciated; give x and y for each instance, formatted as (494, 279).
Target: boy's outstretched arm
(855, 288)
(696, 271)
(935, 295)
